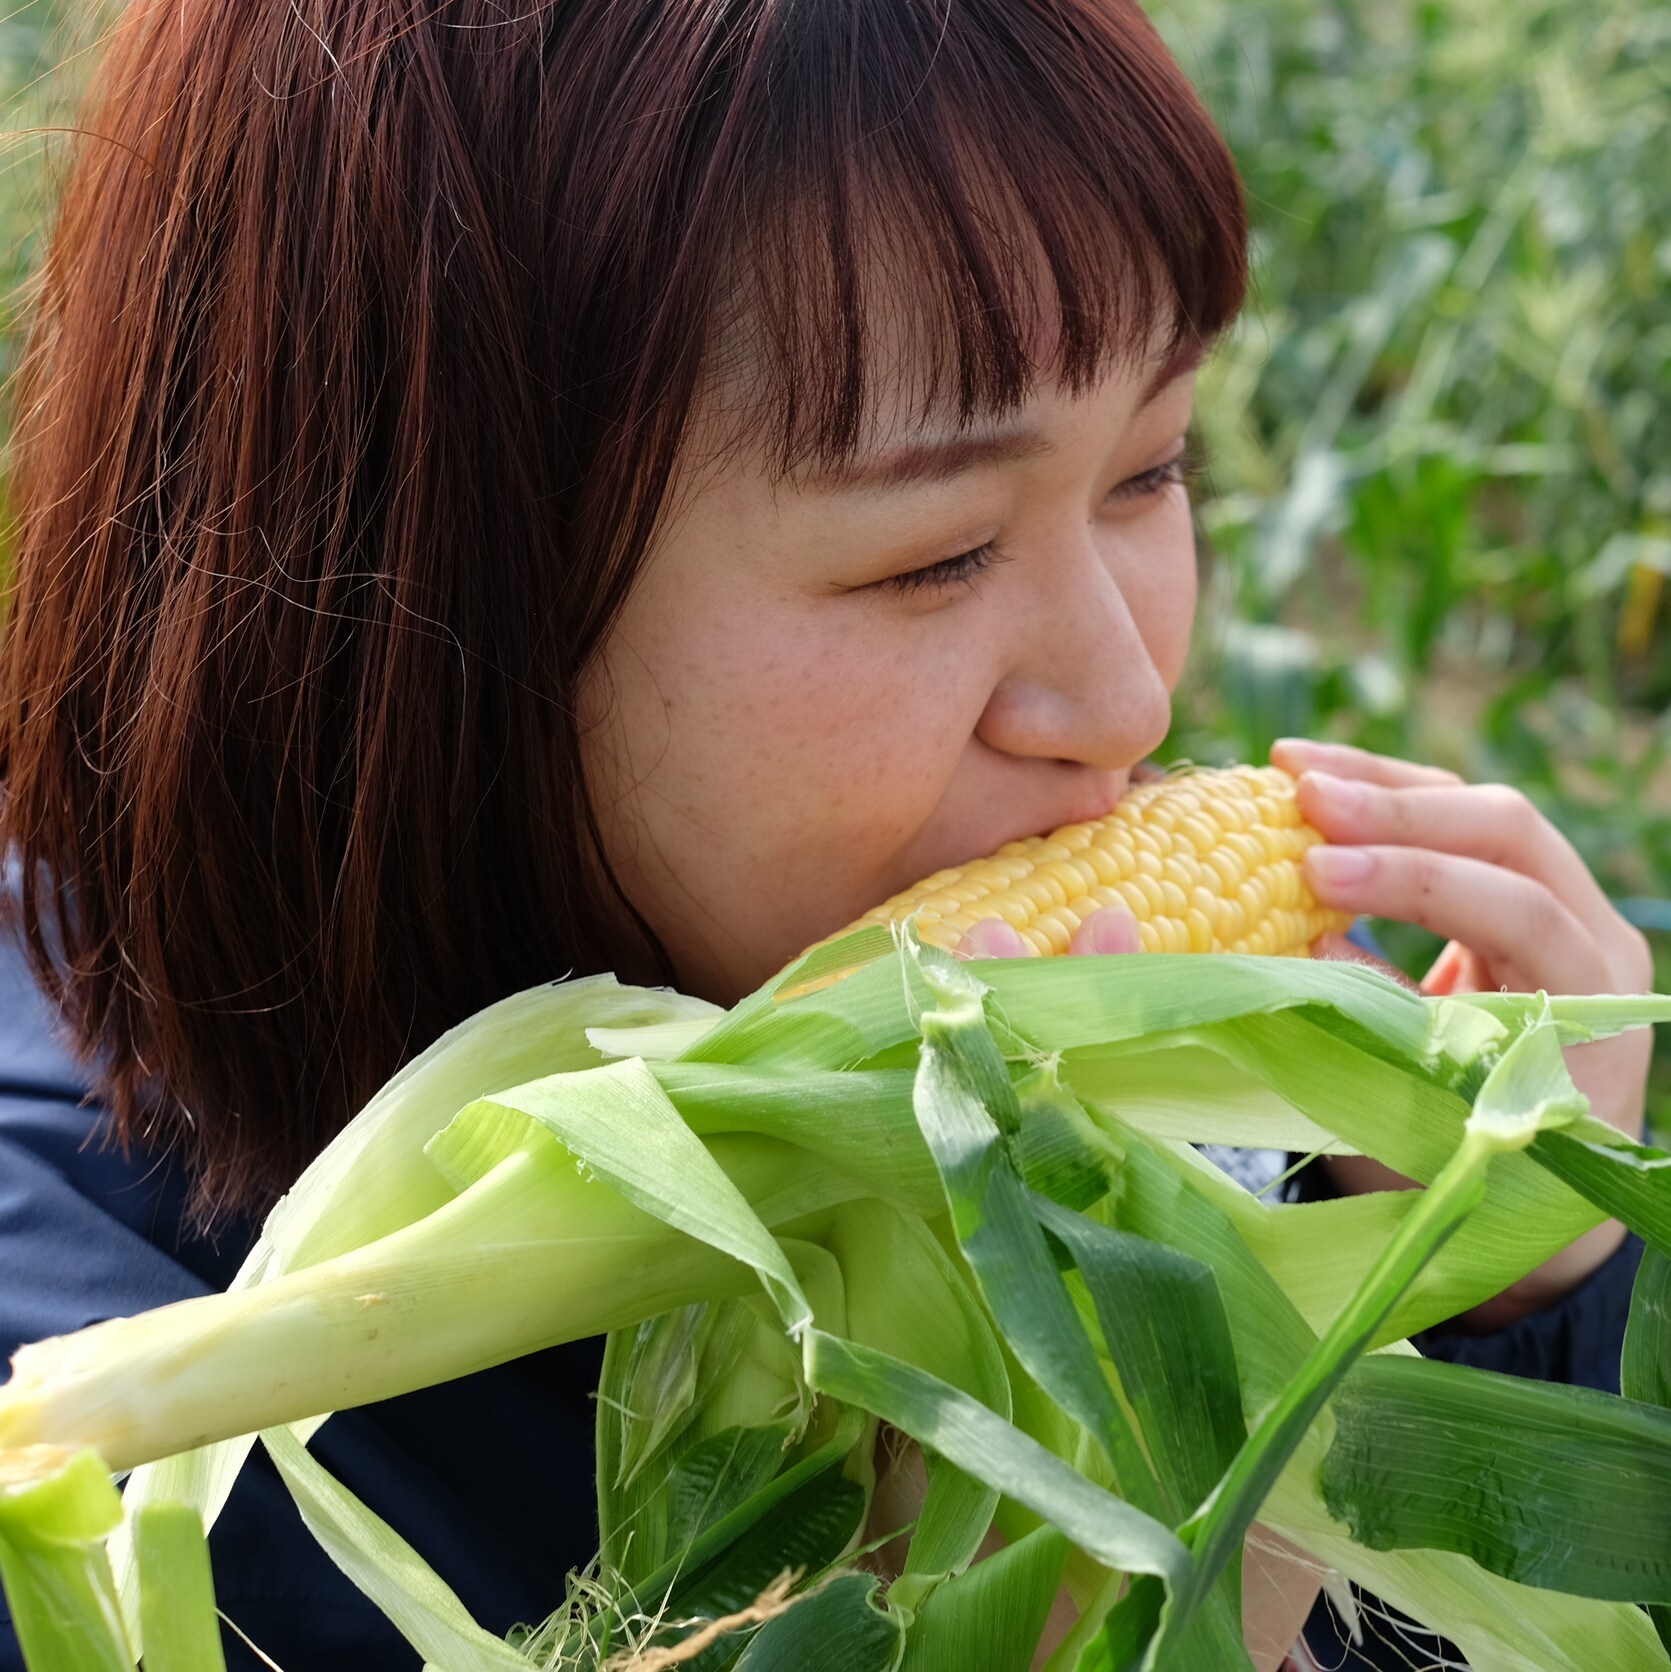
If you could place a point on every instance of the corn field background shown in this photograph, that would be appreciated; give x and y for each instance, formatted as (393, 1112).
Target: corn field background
(1437, 509)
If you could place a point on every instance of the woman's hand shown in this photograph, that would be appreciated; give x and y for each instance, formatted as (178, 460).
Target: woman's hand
(1480, 866)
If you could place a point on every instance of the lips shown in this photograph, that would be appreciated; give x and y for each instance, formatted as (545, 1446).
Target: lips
(1084, 811)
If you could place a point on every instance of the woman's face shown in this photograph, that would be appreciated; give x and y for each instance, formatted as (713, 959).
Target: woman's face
(824, 688)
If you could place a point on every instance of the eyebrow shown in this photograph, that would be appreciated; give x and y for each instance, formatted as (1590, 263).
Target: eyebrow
(933, 461)
(1188, 356)
(938, 461)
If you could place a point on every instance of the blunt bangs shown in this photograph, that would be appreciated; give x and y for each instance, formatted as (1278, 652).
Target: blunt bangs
(937, 190)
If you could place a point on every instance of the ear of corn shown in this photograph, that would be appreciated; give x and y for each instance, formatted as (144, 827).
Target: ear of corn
(856, 1205)
(1206, 861)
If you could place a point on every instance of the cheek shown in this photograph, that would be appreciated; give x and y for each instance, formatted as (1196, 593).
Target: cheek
(1161, 590)
(769, 762)
(803, 724)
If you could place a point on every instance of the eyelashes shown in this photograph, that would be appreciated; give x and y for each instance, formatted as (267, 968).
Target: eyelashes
(1184, 470)
(966, 566)
(949, 571)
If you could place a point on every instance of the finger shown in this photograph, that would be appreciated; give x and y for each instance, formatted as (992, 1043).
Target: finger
(1300, 754)
(1527, 937)
(1337, 949)
(1490, 822)
(1108, 929)
(992, 937)
(1457, 969)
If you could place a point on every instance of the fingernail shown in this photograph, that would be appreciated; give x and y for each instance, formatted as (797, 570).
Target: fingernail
(992, 937)
(1340, 867)
(1339, 795)
(1115, 931)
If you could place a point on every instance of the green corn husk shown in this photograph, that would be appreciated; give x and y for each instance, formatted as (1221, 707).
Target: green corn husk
(960, 1202)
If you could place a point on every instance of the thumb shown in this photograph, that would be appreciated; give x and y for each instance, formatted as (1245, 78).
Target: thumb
(992, 937)
(1110, 929)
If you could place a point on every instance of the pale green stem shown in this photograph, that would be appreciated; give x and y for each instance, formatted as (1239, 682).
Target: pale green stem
(529, 1256)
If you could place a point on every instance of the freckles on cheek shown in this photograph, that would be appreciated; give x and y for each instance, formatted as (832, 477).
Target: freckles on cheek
(855, 738)
(747, 699)
(900, 725)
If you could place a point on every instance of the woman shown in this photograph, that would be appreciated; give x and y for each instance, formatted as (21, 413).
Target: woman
(604, 485)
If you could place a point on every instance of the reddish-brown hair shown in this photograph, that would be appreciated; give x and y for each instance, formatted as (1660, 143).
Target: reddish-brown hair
(365, 341)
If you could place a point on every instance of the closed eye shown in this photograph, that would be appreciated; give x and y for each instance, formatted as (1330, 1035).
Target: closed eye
(1183, 469)
(966, 566)
(948, 572)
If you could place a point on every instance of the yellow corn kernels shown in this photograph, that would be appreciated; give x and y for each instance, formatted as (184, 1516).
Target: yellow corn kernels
(1206, 861)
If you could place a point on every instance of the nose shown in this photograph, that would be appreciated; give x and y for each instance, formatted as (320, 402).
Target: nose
(1085, 680)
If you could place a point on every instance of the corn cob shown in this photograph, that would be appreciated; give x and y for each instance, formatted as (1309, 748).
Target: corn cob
(1206, 861)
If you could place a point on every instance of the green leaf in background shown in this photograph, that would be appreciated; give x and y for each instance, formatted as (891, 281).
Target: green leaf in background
(177, 1591)
(57, 1576)
(1439, 529)
(1553, 1486)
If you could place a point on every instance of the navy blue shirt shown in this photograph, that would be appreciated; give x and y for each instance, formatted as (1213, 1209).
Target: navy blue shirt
(489, 1477)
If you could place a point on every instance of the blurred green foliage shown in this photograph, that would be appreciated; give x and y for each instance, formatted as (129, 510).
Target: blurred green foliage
(1438, 502)
(44, 50)
(1438, 497)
